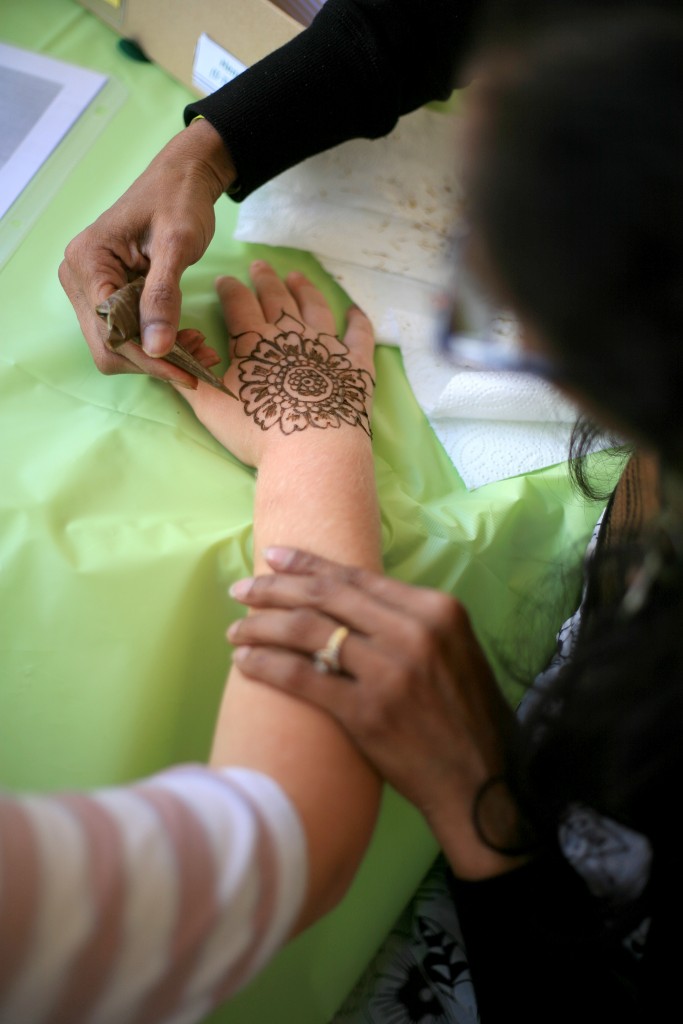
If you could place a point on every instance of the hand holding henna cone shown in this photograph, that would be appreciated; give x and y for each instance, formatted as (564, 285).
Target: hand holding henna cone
(121, 312)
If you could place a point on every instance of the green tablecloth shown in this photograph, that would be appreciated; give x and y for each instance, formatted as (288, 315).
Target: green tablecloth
(122, 523)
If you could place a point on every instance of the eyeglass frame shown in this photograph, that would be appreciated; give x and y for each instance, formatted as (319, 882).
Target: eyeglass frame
(471, 350)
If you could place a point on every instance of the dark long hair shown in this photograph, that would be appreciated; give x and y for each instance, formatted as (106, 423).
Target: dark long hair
(576, 195)
(579, 202)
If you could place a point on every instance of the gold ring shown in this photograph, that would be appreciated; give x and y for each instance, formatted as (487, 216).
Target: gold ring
(327, 658)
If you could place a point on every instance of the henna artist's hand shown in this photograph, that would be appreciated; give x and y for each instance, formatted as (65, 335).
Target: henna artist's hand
(414, 689)
(294, 377)
(161, 225)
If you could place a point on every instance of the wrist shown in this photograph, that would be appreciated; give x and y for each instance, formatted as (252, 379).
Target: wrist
(339, 455)
(484, 835)
(210, 151)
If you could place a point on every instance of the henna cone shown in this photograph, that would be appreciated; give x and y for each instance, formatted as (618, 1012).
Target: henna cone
(121, 312)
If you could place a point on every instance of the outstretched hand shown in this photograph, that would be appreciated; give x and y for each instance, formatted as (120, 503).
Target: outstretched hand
(293, 375)
(158, 228)
(412, 688)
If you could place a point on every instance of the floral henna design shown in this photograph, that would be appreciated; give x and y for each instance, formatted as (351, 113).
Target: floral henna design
(300, 382)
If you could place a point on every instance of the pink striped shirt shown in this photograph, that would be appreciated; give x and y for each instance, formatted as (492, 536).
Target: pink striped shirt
(146, 903)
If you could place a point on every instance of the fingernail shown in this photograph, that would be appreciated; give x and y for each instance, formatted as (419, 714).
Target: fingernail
(155, 340)
(241, 588)
(279, 558)
(259, 265)
(231, 631)
(184, 384)
(241, 653)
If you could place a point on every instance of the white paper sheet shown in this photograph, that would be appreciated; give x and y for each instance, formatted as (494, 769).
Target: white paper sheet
(40, 100)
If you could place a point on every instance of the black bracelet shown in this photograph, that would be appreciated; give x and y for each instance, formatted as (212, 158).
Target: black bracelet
(525, 848)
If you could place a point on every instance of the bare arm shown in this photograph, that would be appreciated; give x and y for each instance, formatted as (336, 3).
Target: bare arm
(315, 486)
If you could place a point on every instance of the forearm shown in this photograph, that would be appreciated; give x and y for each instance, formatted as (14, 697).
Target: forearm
(315, 490)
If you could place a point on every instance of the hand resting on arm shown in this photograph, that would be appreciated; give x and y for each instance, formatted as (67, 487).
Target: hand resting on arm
(415, 693)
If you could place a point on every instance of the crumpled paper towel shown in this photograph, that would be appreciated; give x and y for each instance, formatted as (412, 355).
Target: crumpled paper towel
(379, 216)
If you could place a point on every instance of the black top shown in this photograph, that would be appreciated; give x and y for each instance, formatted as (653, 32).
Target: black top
(540, 950)
(352, 73)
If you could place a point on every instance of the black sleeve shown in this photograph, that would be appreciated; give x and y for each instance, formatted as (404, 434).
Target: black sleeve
(540, 952)
(352, 73)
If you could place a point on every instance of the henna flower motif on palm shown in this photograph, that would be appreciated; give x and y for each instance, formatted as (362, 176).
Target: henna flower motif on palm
(298, 381)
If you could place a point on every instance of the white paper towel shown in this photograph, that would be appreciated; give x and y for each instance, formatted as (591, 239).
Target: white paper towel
(379, 216)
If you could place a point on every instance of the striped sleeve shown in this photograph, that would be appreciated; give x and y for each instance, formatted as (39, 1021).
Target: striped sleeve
(147, 903)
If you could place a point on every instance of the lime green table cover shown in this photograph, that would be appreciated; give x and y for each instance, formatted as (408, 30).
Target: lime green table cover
(122, 523)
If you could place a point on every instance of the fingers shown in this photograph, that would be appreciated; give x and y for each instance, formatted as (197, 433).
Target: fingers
(159, 312)
(416, 602)
(296, 674)
(309, 597)
(101, 286)
(273, 294)
(194, 342)
(398, 620)
(241, 308)
(301, 630)
(314, 309)
(159, 368)
(341, 595)
(359, 336)
(247, 311)
(87, 291)
(284, 659)
(296, 296)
